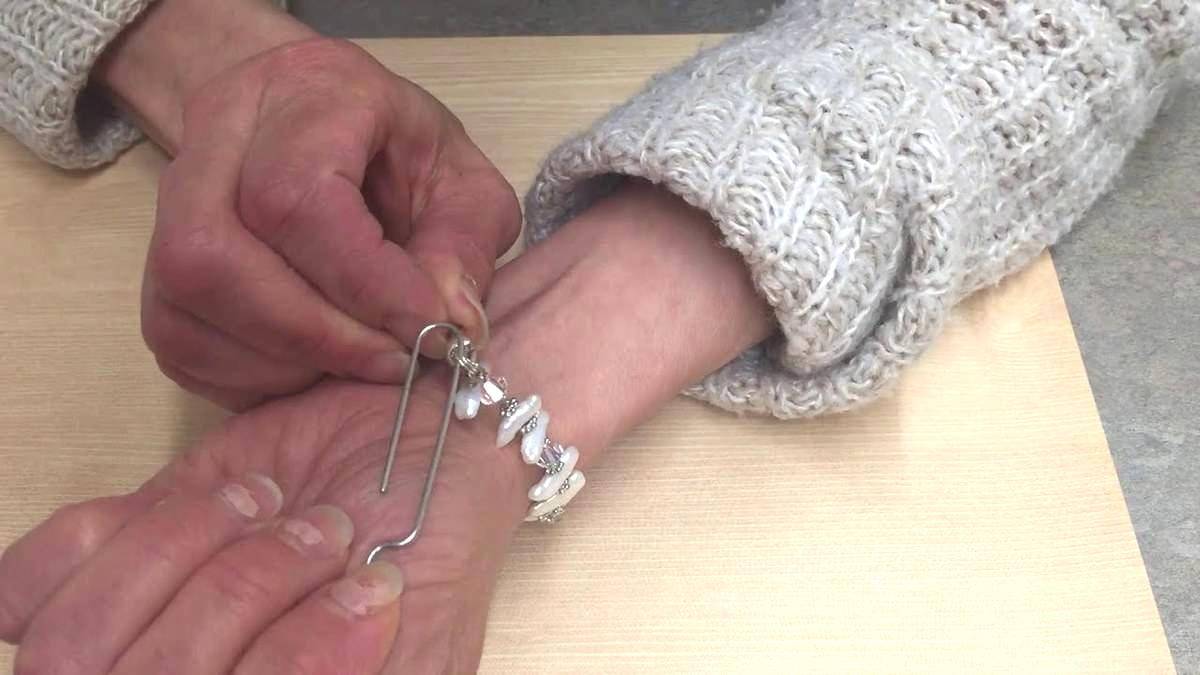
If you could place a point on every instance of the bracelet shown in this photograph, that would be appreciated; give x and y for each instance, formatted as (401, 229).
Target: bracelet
(559, 483)
(561, 480)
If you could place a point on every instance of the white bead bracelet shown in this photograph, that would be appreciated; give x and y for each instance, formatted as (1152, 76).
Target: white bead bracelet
(560, 482)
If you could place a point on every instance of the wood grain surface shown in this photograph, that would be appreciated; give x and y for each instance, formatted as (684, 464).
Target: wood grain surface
(970, 522)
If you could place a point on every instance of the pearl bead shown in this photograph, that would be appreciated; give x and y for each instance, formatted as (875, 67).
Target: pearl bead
(559, 499)
(531, 443)
(466, 403)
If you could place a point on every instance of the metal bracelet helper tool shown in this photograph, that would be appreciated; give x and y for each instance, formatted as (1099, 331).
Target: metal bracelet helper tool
(560, 482)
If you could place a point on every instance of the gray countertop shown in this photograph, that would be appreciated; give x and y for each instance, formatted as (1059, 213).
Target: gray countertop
(1130, 271)
(1131, 276)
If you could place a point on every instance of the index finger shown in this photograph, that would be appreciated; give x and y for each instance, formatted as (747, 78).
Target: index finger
(204, 259)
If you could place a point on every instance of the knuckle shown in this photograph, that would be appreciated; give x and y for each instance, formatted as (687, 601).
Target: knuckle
(497, 186)
(161, 552)
(241, 589)
(287, 659)
(317, 71)
(189, 267)
(172, 372)
(508, 206)
(176, 374)
(315, 344)
(355, 282)
(301, 57)
(175, 345)
(271, 196)
(158, 330)
(9, 624)
(33, 661)
(11, 619)
(79, 528)
(319, 68)
(501, 218)
(453, 124)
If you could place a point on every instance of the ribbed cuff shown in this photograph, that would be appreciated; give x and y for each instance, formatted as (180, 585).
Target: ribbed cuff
(828, 173)
(47, 50)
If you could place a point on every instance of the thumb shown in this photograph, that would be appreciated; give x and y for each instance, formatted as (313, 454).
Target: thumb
(349, 626)
(461, 292)
(470, 219)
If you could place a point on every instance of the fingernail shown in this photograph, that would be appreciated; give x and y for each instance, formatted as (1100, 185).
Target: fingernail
(470, 293)
(369, 589)
(254, 496)
(319, 531)
(388, 367)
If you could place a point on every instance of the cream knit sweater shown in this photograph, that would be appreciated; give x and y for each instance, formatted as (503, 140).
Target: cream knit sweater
(874, 161)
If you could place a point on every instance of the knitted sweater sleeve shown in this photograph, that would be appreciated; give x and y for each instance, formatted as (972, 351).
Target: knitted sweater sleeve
(47, 49)
(875, 161)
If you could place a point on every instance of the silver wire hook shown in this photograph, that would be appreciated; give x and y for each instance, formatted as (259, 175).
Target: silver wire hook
(438, 444)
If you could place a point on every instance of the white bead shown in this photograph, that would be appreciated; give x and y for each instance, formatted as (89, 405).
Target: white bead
(542, 508)
(531, 443)
(550, 483)
(466, 403)
(511, 424)
(492, 392)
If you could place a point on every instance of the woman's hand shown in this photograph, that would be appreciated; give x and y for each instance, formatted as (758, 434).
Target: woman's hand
(318, 212)
(229, 559)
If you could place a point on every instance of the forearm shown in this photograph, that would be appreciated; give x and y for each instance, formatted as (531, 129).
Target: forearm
(608, 320)
(178, 45)
(876, 162)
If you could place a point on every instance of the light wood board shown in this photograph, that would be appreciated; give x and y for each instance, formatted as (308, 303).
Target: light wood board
(970, 522)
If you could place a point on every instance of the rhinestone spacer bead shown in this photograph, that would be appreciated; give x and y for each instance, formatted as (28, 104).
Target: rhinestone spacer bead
(508, 406)
(565, 486)
(552, 517)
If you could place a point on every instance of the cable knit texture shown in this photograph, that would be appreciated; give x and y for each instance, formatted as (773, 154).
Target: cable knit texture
(876, 161)
(47, 49)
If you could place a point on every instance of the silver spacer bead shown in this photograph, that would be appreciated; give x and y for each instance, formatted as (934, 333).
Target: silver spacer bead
(552, 517)
(508, 406)
(565, 486)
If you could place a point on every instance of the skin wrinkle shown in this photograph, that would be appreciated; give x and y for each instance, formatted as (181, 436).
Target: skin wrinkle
(361, 461)
(384, 195)
(182, 368)
(424, 178)
(318, 475)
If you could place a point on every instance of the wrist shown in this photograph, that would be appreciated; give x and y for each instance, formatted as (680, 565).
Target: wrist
(609, 319)
(176, 46)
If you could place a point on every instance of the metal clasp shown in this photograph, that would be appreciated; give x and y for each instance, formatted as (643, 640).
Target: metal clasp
(459, 356)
